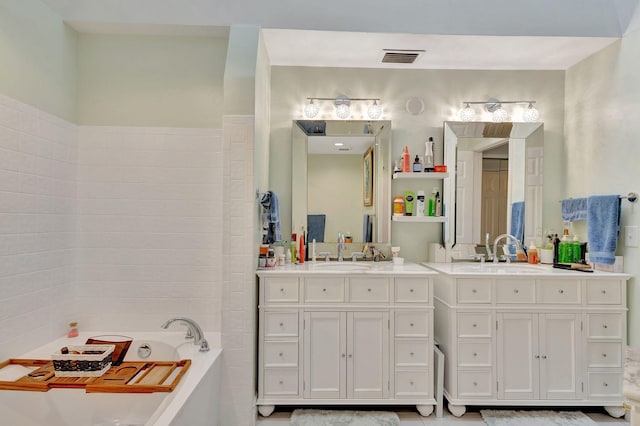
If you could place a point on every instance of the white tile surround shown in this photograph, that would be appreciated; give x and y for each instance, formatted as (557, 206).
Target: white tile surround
(37, 203)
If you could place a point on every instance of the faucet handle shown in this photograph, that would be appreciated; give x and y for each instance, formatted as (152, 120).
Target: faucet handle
(325, 254)
(355, 255)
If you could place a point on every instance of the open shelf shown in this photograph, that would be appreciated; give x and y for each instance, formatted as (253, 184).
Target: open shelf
(418, 175)
(418, 218)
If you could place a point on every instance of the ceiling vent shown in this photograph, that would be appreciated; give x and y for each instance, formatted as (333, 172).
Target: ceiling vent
(400, 56)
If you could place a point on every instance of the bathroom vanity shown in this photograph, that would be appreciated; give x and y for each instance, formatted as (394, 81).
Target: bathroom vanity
(519, 334)
(345, 333)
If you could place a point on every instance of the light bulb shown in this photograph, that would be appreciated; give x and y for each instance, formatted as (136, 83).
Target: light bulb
(467, 113)
(531, 114)
(499, 115)
(311, 109)
(343, 111)
(374, 111)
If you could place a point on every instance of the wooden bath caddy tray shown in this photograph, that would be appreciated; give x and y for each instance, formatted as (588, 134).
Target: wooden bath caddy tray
(128, 377)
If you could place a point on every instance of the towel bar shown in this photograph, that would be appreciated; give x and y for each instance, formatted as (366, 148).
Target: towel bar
(632, 197)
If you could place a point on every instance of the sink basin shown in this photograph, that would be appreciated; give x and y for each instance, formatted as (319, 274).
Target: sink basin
(343, 266)
(500, 268)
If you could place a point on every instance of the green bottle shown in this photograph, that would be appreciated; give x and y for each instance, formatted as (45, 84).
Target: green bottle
(565, 249)
(575, 250)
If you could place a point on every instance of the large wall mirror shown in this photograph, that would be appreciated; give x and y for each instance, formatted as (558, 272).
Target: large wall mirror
(498, 182)
(341, 179)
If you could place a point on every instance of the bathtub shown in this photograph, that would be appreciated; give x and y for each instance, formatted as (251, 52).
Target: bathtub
(193, 402)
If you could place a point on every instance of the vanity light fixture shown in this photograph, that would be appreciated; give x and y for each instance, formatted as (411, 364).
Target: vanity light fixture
(499, 114)
(343, 107)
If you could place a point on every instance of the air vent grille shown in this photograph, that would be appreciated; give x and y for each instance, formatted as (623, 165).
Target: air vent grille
(400, 56)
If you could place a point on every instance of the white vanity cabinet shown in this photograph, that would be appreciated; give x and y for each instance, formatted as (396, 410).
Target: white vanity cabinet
(347, 338)
(545, 338)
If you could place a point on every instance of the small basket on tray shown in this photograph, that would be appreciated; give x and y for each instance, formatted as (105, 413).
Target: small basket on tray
(83, 360)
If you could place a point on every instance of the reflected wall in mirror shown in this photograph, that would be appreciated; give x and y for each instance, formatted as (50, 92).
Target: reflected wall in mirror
(332, 160)
(498, 182)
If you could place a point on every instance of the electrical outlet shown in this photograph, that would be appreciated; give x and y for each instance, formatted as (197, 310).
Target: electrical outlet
(631, 236)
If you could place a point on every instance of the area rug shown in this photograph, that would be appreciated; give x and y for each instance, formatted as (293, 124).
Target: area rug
(535, 418)
(343, 418)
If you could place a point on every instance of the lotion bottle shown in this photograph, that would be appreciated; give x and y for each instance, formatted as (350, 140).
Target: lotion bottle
(406, 161)
(532, 254)
(420, 204)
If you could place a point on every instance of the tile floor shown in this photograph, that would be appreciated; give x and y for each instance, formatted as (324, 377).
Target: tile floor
(470, 418)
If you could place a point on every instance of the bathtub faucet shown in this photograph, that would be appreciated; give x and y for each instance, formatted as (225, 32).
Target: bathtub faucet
(193, 329)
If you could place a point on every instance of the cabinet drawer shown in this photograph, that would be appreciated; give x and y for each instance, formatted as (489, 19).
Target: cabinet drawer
(604, 354)
(281, 324)
(412, 290)
(474, 354)
(411, 324)
(410, 353)
(518, 291)
(281, 290)
(559, 291)
(281, 381)
(475, 384)
(604, 293)
(368, 290)
(413, 384)
(319, 290)
(474, 290)
(280, 354)
(605, 385)
(605, 326)
(474, 324)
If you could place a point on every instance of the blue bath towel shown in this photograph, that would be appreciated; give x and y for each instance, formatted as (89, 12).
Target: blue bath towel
(603, 225)
(517, 220)
(271, 218)
(315, 225)
(574, 209)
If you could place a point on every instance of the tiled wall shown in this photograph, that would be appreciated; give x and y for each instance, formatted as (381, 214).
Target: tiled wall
(150, 208)
(37, 197)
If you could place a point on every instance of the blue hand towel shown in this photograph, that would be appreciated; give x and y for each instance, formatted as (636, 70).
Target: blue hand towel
(517, 220)
(315, 225)
(574, 209)
(603, 223)
(271, 216)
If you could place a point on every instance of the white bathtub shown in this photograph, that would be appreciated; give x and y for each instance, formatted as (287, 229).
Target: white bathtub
(193, 402)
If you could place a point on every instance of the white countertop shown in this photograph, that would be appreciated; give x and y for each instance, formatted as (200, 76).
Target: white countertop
(348, 268)
(631, 384)
(517, 269)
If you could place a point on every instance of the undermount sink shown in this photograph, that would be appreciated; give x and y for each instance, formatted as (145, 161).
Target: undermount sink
(343, 266)
(499, 268)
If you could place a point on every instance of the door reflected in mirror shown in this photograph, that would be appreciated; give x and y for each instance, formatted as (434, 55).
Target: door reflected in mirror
(341, 179)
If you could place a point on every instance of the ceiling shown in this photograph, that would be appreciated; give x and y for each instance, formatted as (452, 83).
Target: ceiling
(455, 34)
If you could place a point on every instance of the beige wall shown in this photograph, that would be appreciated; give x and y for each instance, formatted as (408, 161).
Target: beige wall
(133, 80)
(38, 57)
(601, 142)
(442, 91)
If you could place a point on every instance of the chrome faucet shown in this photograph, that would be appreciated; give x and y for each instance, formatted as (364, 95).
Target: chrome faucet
(495, 245)
(193, 329)
(341, 246)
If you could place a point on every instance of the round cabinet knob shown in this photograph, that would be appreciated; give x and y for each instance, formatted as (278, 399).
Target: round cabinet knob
(605, 384)
(537, 356)
(604, 291)
(281, 382)
(282, 290)
(544, 357)
(369, 290)
(475, 383)
(411, 383)
(411, 353)
(343, 355)
(475, 354)
(516, 291)
(280, 354)
(561, 291)
(605, 326)
(350, 355)
(324, 289)
(411, 325)
(475, 325)
(281, 324)
(410, 290)
(474, 291)
(604, 355)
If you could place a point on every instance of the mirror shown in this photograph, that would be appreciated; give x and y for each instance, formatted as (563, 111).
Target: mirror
(341, 179)
(498, 184)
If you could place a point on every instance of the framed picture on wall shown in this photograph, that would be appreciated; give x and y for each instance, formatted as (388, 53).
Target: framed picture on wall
(367, 177)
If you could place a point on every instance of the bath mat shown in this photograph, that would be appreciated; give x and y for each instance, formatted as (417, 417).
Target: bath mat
(343, 418)
(535, 418)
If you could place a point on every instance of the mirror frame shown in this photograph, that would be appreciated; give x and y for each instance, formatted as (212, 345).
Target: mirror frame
(532, 135)
(382, 176)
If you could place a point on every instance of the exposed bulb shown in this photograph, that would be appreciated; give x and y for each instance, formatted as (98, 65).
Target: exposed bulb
(311, 109)
(467, 113)
(343, 111)
(499, 115)
(374, 111)
(531, 114)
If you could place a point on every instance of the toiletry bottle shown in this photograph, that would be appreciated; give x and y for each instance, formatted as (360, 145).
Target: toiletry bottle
(432, 203)
(532, 254)
(575, 250)
(417, 164)
(409, 199)
(428, 155)
(287, 255)
(438, 211)
(301, 251)
(565, 249)
(294, 243)
(420, 204)
(406, 160)
(73, 329)
(398, 205)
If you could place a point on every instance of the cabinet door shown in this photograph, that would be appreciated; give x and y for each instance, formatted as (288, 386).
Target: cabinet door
(324, 355)
(367, 354)
(517, 364)
(559, 336)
